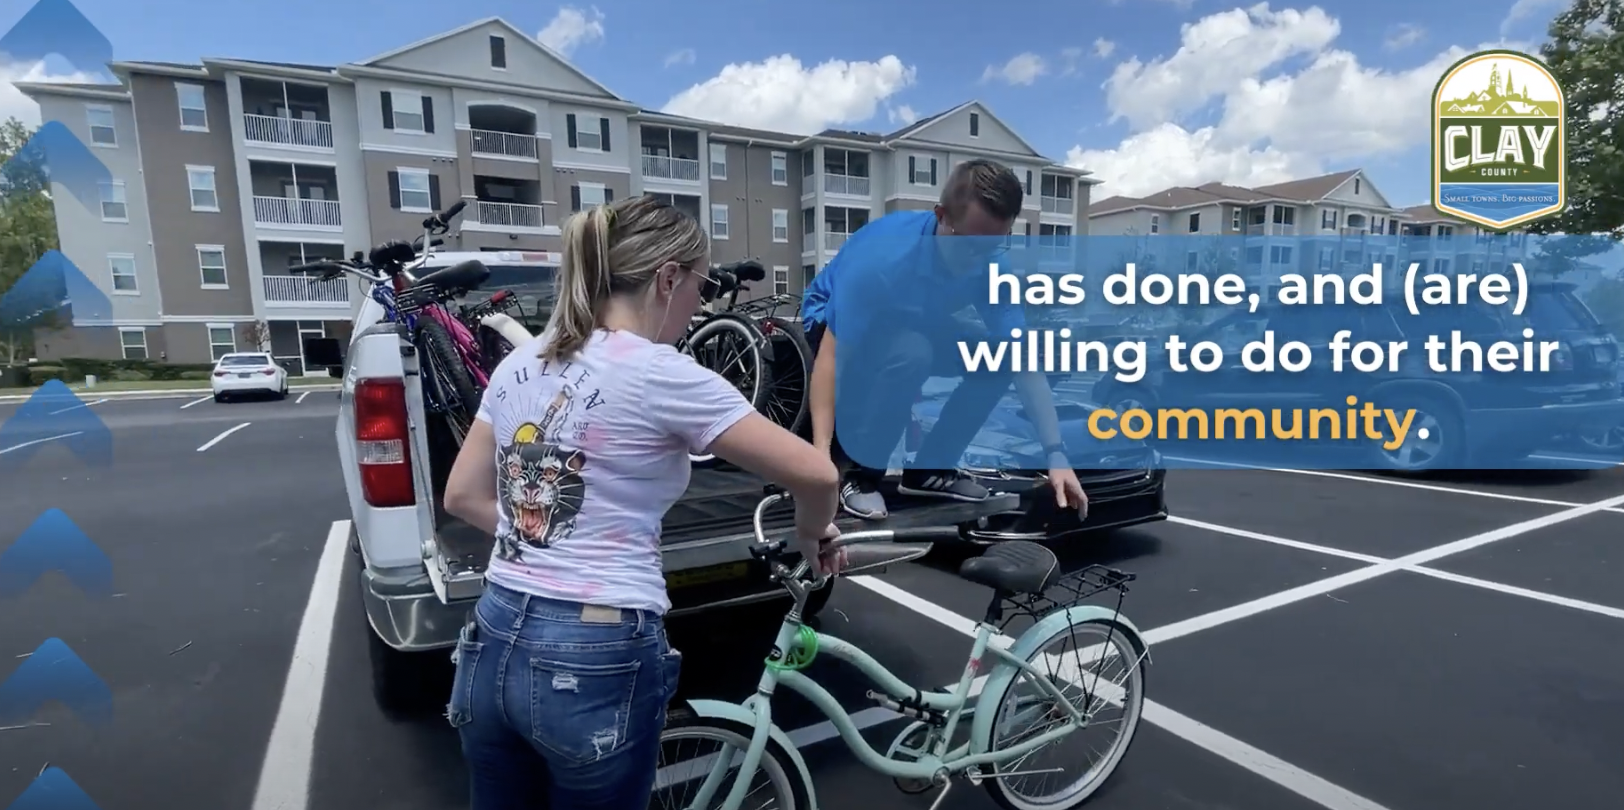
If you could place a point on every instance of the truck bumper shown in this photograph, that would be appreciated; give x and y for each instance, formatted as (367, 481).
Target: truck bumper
(403, 609)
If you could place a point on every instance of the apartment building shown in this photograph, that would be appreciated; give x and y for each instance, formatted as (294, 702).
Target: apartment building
(229, 171)
(1337, 222)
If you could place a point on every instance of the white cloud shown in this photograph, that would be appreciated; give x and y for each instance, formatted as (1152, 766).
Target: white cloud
(1023, 68)
(902, 115)
(1403, 36)
(685, 56)
(779, 93)
(1103, 48)
(1271, 125)
(13, 104)
(1526, 10)
(571, 28)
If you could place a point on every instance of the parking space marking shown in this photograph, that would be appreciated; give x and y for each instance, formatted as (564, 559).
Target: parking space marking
(301, 397)
(197, 401)
(1370, 479)
(40, 441)
(77, 407)
(1461, 579)
(284, 776)
(1600, 464)
(217, 439)
(1262, 763)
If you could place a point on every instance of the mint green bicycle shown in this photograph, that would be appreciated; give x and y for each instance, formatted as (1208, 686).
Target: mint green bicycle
(1028, 701)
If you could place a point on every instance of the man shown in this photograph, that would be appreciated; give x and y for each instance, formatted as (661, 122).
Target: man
(886, 305)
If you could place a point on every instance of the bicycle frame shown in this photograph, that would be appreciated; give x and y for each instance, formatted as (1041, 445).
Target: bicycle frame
(930, 764)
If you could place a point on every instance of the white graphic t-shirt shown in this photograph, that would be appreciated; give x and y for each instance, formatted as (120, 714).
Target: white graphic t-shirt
(590, 454)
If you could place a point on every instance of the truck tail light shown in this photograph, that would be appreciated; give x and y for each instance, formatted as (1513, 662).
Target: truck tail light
(383, 443)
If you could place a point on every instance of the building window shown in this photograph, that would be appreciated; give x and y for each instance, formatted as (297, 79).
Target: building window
(407, 111)
(922, 171)
(222, 340)
(114, 207)
(808, 272)
(415, 192)
(1155, 223)
(780, 169)
(102, 131)
(780, 224)
(1356, 185)
(211, 264)
(1195, 223)
(718, 161)
(588, 195)
(498, 52)
(194, 111)
(718, 222)
(133, 339)
(780, 279)
(1235, 219)
(1285, 215)
(975, 125)
(1280, 254)
(588, 132)
(200, 180)
(1328, 220)
(122, 267)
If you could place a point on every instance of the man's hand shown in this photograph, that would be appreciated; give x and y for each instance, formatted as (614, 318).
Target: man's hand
(1068, 492)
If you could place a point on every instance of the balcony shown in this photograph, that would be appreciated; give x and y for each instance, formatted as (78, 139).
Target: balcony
(832, 241)
(670, 168)
(306, 292)
(848, 184)
(286, 115)
(295, 195)
(491, 143)
(507, 215)
(1271, 229)
(1064, 206)
(670, 154)
(288, 212)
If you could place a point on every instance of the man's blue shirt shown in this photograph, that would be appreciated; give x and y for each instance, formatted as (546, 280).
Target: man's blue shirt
(889, 273)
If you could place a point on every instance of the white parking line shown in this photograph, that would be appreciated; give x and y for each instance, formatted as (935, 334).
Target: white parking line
(77, 407)
(41, 441)
(301, 398)
(197, 401)
(1600, 464)
(284, 776)
(1390, 482)
(217, 439)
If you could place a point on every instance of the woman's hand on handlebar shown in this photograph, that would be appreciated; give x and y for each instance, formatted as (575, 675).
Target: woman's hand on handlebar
(821, 559)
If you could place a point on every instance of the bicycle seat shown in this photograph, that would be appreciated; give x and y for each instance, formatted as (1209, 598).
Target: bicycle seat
(1015, 566)
(466, 275)
(863, 557)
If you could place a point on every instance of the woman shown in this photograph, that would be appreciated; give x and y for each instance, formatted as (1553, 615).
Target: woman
(580, 447)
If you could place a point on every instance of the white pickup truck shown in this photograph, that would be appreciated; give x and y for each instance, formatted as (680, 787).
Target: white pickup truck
(421, 569)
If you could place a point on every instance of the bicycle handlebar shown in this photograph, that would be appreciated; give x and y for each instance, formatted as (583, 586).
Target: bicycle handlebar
(770, 550)
(387, 259)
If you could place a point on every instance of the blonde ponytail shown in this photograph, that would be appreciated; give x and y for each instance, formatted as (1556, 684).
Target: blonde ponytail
(611, 250)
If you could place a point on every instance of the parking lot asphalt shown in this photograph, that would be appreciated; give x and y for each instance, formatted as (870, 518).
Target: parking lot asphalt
(1320, 639)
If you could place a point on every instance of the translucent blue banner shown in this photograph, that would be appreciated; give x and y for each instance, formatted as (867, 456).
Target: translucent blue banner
(1326, 347)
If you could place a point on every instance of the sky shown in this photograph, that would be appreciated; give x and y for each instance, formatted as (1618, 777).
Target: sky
(1147, 94)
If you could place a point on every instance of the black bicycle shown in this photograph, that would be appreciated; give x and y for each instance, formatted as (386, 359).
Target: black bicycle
(763, 355)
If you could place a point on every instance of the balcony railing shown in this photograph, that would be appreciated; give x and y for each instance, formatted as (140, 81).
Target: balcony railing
(1059, 205)
(832, 241)
(849, 184)
(301, 291)
(671, 168)
(507, 215)
(1270, 229)
(809, 242)
(275, 129)
(503, 144)
(290, 212)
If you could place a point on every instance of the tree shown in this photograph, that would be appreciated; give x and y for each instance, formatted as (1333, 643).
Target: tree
(258, 335)
(27, 231)
(1606, 299)
(1586, 54)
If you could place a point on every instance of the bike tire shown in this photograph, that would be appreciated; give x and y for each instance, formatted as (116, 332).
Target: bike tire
(493, 348)
(753, 353)
(791, 368)
(776, 764)
(441, 352)
(1129, 643)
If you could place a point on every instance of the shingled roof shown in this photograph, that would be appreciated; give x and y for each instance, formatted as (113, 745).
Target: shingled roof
(1309, 190)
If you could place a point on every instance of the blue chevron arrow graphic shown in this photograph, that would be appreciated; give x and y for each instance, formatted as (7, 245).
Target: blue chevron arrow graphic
(54, 415)
(53, 543)
(53, 290)
(67, 161)
(52, 790)
(55, 672)
(57, 27)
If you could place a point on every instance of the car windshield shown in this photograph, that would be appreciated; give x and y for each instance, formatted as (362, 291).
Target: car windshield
(246, 360)
(1559, 309)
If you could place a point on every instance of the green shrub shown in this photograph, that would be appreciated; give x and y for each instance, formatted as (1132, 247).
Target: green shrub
(194, 375)
(78, 367)
(40, 375)
(130, 375)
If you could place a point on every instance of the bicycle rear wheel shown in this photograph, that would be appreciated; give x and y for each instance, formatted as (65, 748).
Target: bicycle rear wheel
(690, 749)
(1049, 778)
(789, 374)
(457, 385)
(734, 348)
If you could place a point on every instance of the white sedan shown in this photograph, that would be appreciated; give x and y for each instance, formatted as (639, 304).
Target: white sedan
(248, 373)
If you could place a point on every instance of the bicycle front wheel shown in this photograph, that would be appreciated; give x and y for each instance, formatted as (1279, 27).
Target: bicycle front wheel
(441, 357)
(692, 748)
(1099, 667)
(732, 347)
(789, 374)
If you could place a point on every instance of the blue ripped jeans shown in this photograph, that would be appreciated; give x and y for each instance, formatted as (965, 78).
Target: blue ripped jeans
(560, 705)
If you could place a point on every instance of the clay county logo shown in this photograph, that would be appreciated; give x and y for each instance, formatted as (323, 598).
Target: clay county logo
(1499, 144)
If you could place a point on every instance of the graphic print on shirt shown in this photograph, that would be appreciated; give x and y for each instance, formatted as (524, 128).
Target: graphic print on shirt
(540, 481)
